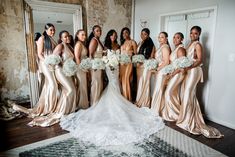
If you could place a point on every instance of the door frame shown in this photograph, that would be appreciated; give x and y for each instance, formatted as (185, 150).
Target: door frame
(75, 10)
(210, 70)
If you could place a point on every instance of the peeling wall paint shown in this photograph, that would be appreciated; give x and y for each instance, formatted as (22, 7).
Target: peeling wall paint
(13, 63)
(110, 14)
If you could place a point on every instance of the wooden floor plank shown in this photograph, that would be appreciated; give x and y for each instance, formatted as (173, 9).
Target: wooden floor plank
(17, 133)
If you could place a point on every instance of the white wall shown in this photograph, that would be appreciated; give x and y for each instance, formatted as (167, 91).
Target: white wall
(220, 107)
(39, 27)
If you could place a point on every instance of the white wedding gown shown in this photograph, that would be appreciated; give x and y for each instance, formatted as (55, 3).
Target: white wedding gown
(113, 120)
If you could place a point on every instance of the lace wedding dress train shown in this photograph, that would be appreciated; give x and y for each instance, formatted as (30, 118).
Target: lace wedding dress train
(113, 120)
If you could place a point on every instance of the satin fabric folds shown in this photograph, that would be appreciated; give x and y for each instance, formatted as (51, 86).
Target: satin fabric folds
(190, 117)
(126, 78)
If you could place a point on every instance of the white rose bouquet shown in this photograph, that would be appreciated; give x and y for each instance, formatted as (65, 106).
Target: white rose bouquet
(52, 59)
(124, 59)
(69, 67)
(150, 64)
(167, 69)
(85, 64)
(98, 63)
(138, 58)
(182, 62)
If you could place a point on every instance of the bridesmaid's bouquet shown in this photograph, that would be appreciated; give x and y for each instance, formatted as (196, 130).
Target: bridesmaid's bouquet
(85, 64)
(124, 59)
(69, 67)
(182, 62)
(150, 64)
(52, 59)
(98, 63)
(138, 58)
(167, 69)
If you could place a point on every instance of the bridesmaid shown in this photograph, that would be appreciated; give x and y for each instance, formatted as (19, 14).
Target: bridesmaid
(190, 116)
(48, 98)
(67, 101)
(95, 51)
(163, 57)
(171, 107)
(145, 47)
(81, 52)
(129, 47)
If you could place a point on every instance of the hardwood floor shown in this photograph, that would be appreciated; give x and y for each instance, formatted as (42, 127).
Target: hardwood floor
(17, 133)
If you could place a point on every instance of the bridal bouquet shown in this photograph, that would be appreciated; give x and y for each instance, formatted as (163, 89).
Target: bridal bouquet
(182, 62)
(150, 64)
(52, 59)
(85, 64)
(113, 61)
(98, 63)
(138, 58)
(124, 59)
(69, 67)
(167, 69)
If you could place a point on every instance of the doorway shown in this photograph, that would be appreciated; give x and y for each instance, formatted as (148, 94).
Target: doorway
(36, 15)
(182, 22)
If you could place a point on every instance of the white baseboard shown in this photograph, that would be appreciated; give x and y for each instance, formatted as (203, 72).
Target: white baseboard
(219, 121)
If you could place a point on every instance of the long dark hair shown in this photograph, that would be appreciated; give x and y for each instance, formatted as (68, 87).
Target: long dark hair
(71, 41)
(122, 40)
(107, 41)
(198, 29)
(180, 34)
(166, 35)
(92, 34)
(37, 35)
(76, 35)
(147, 46)
(60, 35)
(47, 40)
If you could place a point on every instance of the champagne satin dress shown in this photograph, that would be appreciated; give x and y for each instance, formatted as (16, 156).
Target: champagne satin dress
(67, 100)
(48, 98)
(143, 89)
(171, 106)
(126, 70)
(82, 93)
(160, 84)
(97, 79)
(190, 116)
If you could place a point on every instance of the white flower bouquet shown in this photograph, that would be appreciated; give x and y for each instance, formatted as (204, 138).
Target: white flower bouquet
(138, 58)
(98, 63)
(124, 59)
(150, 64)
(167, 69)
(85, 64)
(52, 59)
(113, 61)
(69, 67)
(182, 62)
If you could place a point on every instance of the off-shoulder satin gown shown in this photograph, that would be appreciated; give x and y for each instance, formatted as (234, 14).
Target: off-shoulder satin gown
(190, 116)
(171, 106)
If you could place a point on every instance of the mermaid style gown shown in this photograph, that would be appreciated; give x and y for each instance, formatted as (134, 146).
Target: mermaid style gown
(113, 120)
(190, 116)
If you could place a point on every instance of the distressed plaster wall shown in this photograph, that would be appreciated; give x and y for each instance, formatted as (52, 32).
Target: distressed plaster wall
(13, 63)
(109, 14)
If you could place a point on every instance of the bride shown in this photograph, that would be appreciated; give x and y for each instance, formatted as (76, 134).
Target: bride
(113, 120)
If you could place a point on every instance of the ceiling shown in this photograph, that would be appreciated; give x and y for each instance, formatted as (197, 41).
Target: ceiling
(52, 17)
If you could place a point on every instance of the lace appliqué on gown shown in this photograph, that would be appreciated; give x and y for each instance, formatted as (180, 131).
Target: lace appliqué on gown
(113, 120)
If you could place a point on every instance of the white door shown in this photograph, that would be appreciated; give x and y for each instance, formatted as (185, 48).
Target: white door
(183, 23)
